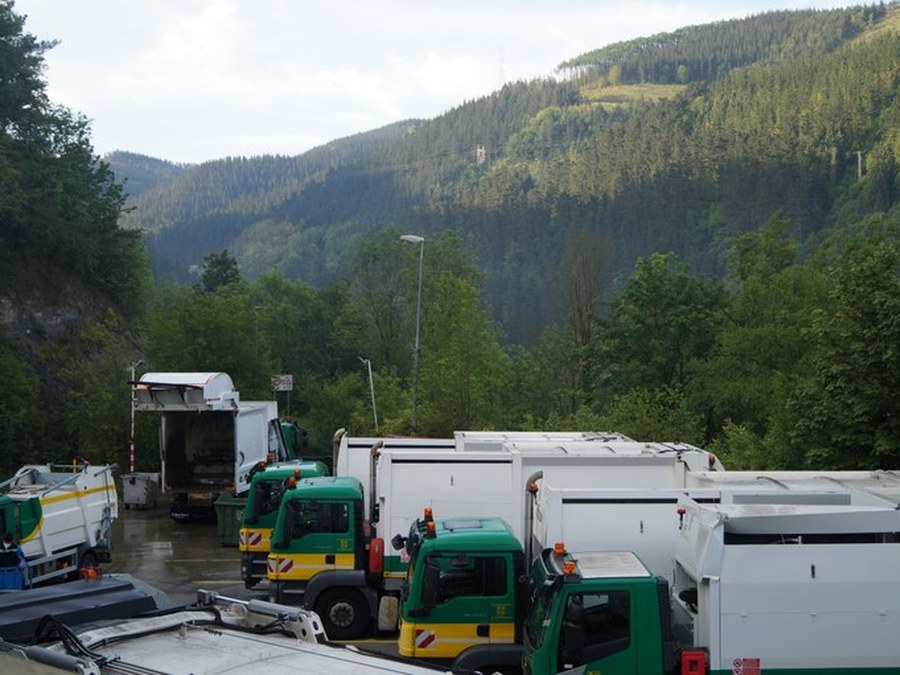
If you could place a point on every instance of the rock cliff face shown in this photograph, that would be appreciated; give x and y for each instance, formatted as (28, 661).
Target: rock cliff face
(64, 356)
(40, 305)
(24, 321)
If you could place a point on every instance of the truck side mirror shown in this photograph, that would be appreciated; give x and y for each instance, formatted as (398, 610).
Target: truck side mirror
(398, 542)
(430, 582)
(573, 631)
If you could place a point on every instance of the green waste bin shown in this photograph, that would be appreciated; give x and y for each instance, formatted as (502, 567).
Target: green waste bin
(229, 513)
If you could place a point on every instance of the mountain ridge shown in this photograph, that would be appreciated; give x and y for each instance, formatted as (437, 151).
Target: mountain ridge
(537, 162)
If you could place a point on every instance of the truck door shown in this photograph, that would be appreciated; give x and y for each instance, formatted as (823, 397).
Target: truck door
(473, 604)
(320, 539)
(596, 631)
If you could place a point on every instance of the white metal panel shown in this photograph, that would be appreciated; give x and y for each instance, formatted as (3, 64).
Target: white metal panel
(452, 484)
(251, 438)
(811, 606)
(354, 453)
(352, 457)
(640, 520)
(865, 487)
(493, 482)
(492, 440)
(616, 445)
(593, 471)
(792, 604)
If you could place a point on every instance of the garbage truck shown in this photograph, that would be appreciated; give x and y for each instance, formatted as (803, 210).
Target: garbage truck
(466, 603)
(759, 588)
(444, 618)
(363, 593)
(61, 516)
(209, 440)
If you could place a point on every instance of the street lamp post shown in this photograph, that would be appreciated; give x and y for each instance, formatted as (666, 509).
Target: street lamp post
(368, 365)
(416, 239)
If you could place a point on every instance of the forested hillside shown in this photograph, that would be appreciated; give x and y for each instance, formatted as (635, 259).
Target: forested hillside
(142, 173)
(768, 114)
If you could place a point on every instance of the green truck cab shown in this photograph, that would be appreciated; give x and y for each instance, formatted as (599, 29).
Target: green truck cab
(267, 486)
(320, 555)
(464, 595)
(469, 603)
(600, 612)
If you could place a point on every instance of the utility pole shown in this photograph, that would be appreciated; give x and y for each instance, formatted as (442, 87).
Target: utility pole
(134, 365)
(416, 239)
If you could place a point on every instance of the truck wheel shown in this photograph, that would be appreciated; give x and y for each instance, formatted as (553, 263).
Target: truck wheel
(344, 613)
(388, 613)
(88, 559)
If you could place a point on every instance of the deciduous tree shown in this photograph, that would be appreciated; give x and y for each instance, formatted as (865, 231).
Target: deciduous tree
(664, 319)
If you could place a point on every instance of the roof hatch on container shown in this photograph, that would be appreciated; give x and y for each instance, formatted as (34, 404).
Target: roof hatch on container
(185, 391)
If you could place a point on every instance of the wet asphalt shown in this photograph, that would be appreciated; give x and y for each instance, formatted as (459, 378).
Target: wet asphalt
(181, 558)
(176, 558)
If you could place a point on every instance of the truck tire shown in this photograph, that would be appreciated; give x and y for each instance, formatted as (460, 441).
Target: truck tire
(388, 613)
(344, 613)
(85, 559)
(88, 559)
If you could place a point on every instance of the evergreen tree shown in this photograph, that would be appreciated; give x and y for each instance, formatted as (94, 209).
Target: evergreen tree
(219, 269)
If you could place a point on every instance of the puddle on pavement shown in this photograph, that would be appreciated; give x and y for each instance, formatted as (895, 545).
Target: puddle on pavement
(176, 558)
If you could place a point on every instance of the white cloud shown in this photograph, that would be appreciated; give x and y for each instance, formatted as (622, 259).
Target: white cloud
(190, 80)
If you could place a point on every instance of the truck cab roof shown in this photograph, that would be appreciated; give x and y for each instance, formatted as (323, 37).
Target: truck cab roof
(609, 565)
(327, 487)
(589, 565)
(468, 534)
(281, 470)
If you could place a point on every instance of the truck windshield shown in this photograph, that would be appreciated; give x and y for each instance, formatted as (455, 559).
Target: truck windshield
(543, 587)
(539, 616)
(268, 496)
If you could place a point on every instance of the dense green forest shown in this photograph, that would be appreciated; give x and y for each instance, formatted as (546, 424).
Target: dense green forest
(691, 237)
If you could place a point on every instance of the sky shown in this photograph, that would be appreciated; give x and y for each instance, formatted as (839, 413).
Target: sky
(195, 80)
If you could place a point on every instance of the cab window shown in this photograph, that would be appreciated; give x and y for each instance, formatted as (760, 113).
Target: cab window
(605, 617)
(469, 576)
(320, 518)
(269, 496)
(605, 626)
